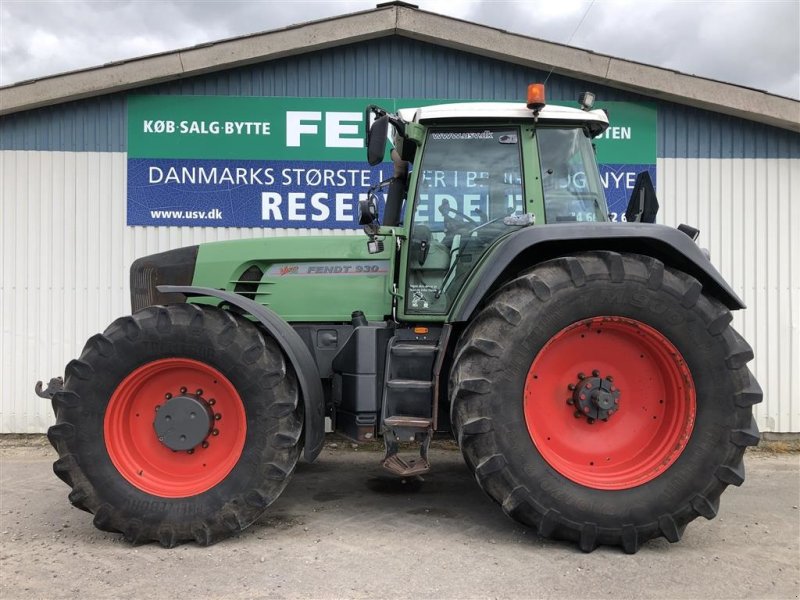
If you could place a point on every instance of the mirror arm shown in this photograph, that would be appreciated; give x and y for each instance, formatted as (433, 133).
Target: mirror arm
(395, 120)
(399, 125)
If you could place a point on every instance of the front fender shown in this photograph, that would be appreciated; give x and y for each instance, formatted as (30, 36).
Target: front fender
(296, 351)
(527, 247)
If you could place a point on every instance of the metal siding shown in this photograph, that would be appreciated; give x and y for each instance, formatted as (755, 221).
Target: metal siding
(746, 210)
(64, 267)
(687, 132)
(395, 67)
(95, 124)
(66, 249)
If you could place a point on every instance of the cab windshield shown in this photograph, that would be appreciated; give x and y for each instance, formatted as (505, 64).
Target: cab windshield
(469, 186)
(570, 180)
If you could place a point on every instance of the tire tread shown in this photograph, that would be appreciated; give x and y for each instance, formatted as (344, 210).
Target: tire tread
(469, 386)
(285, 412)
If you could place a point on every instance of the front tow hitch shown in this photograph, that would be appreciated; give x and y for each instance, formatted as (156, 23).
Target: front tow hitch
(56, 385)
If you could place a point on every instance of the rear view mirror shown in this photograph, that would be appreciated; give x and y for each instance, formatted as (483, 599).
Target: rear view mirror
(367, 210)
(368, 218)
(643, 204)
(376, 140)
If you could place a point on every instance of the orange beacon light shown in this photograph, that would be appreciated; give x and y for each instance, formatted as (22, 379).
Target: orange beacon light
(536, 96)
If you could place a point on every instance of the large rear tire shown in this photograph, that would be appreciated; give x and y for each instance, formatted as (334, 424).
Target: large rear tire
(603, 398)
(178, 423)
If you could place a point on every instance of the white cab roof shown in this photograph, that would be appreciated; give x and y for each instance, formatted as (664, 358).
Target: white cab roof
(503, 110)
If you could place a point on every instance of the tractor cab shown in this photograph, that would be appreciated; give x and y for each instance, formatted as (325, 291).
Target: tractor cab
(466, 175)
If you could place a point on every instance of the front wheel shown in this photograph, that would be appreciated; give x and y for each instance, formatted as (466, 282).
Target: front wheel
(603, 398)
(178, 423)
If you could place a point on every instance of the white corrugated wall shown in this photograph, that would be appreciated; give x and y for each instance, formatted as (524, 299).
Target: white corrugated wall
(66, 251)
(747, 211)
(65, 257)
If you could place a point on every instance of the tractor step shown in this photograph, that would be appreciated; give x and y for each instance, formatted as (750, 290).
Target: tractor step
(406, 467)
(409, 384)
(409, 422)
(409, 429)
(407, 413)
(406, 349)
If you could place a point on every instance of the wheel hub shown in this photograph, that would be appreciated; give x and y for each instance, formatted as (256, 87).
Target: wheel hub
(594, 397)
(183, 422)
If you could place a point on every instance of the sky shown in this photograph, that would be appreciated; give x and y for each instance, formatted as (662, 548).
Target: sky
(750, 43)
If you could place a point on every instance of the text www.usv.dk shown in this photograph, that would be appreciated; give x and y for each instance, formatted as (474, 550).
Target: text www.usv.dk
(214, 214)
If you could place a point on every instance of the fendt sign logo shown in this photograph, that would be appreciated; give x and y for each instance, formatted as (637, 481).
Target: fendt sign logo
(217, 161)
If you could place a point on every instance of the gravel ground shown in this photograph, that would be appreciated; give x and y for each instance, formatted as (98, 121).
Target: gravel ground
(343, 529)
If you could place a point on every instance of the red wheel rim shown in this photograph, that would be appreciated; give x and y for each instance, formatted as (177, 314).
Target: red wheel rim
(644, 433)
(134, 447)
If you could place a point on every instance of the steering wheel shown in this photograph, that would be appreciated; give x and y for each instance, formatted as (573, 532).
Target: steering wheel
(446, 210)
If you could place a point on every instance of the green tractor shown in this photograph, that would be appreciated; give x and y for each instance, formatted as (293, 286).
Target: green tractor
(587, 369)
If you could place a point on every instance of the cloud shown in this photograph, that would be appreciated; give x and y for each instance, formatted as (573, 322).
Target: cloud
(750, 43)
(755, 44)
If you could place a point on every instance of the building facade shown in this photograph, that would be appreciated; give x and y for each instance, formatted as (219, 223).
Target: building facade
(727, 161)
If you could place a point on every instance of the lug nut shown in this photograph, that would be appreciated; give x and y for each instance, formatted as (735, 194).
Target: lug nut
(167, 396)
(183, 390)
(571, 386)
(199, 392)
(570, 401)
(578, 414)
(581, 376)
(212, 402)
(596, 373)
(215, 432)
(205, 444)
(190, 451)
(590, 420)
(218, 416)
(609, 378)
(158, 407)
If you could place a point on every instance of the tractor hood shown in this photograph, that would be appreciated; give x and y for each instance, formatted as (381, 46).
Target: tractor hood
(307, 278)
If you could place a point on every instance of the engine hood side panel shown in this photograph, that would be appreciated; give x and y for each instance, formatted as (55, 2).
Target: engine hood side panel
(304, 279)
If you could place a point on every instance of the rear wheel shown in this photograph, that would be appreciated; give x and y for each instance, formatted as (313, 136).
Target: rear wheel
(177, 423)
(604, 399)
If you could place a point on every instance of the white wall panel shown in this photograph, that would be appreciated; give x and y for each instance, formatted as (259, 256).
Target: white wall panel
(65, 257)
(747, 211)
(66, 251)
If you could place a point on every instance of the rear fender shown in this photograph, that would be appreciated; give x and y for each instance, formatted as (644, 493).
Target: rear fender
(296, 351)
(532, 245)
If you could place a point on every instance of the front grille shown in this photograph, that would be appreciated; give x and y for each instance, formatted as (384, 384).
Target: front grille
(174, 267)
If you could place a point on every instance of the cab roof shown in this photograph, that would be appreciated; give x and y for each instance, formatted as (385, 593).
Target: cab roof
(596, 119)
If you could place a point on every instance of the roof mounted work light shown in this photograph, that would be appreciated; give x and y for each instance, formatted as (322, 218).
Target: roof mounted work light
(586, 100)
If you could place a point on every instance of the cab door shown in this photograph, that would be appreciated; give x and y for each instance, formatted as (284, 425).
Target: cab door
(469, 190)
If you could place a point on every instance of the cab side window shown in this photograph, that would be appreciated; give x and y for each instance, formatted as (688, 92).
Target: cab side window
(469, 181)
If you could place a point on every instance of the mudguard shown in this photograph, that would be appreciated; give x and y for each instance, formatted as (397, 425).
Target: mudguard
(296, 351)
(531, 245)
